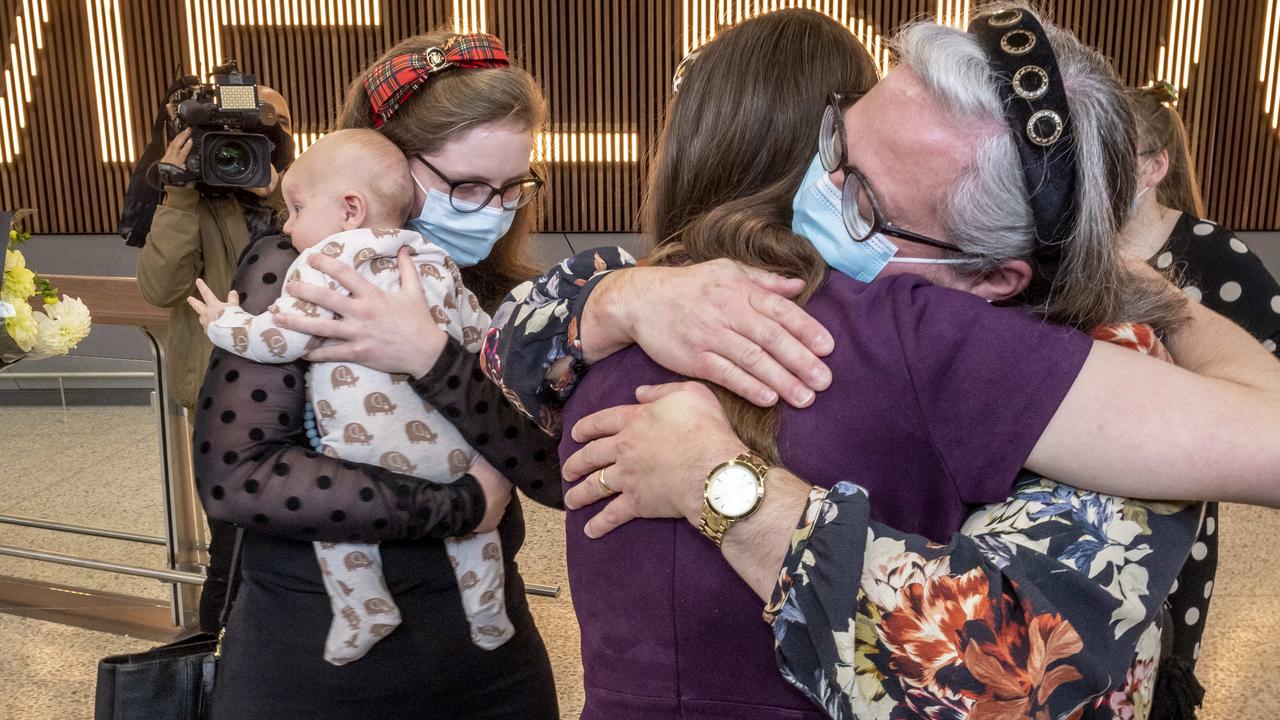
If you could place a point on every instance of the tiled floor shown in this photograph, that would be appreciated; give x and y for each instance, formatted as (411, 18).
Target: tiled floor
(99, 466)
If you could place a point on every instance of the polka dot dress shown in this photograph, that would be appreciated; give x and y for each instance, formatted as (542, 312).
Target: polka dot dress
(1218, 270)
(255, 466)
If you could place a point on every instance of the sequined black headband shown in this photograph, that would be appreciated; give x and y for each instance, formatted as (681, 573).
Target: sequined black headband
(1035, 102)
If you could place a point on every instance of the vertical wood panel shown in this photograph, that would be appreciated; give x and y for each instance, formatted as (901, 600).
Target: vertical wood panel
(605, 66)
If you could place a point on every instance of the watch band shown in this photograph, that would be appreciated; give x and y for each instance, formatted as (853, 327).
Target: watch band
(714, 524)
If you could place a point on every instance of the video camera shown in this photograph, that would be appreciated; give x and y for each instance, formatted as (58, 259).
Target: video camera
(233, 133)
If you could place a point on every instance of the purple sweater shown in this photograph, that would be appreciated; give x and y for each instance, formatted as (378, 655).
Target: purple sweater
(938, 399)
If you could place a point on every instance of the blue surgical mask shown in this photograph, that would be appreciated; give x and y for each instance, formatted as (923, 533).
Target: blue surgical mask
(815, 214)
(468, 237)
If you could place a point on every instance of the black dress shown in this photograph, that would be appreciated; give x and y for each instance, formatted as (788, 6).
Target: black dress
(1219, 271)
(253, 468)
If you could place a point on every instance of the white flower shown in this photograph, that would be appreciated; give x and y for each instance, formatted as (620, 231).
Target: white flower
(888, 567)
(62, 326)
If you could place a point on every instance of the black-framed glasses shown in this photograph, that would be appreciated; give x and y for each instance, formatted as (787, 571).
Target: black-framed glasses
(472, 195)
(856, 196)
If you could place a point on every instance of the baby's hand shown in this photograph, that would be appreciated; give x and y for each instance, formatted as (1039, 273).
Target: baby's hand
(497, 493)
(212, 307)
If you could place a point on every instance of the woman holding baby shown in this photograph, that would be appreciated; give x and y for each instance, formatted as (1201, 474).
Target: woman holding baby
(464, 118)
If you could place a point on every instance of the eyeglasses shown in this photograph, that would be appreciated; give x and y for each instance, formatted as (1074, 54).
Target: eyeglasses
(833, 150)
(472, 195)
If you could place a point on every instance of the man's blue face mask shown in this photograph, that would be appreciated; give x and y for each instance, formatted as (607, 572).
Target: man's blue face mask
(816, 215)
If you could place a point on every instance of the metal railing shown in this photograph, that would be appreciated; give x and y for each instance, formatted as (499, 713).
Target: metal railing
(183, 540)
(79, 530)
(170, 576)
(62, 389)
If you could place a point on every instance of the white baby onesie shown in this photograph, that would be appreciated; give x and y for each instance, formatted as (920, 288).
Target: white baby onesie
(373, 417)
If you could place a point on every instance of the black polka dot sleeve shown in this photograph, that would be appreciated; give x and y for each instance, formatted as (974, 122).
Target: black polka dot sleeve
(1219, 270)
(254, 468)
(506, 437)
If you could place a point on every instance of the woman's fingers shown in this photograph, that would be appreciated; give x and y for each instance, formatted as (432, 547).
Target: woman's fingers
(319, 327)
(410, 281)
(773, 282)
(653, 393)
(800, 325)
(591, 457)
(729, 375)
(618, 512)
(754, 357)
(345, 275)
(589, 490)
(330, 300)
(768, 358)
(609, 421)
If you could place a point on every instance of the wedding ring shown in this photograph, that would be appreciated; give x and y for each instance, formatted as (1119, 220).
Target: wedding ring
(600, 479)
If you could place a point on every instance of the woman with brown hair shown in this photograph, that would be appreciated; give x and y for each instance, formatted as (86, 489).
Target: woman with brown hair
(465, 117)
(1168, 229)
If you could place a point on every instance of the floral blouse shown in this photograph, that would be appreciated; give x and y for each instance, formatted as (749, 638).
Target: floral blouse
(1047, 605)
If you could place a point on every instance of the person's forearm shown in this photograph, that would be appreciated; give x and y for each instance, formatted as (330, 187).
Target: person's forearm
(500, 433)
(606, 317)
(756, 547)
(1210, 345)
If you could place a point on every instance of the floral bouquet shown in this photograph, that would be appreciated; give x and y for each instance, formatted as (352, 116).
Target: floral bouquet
(28, 333)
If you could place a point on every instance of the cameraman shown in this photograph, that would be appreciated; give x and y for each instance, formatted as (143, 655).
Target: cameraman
(199, 234)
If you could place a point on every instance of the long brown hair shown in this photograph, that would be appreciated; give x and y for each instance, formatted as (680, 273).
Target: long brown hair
(735, 145)
(1160, 128)
(450, 105)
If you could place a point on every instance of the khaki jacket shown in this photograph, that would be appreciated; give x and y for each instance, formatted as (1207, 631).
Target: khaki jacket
(191, 237)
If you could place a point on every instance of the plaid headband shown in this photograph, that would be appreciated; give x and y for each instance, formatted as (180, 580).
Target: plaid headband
(390, 83)
(1035, 102)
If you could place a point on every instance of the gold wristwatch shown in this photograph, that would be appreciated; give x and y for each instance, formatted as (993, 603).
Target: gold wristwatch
(733, 491)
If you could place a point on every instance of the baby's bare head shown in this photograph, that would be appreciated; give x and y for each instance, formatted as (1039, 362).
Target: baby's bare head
(358, 162)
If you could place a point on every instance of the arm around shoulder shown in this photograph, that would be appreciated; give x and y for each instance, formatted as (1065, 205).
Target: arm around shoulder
(1139, 427)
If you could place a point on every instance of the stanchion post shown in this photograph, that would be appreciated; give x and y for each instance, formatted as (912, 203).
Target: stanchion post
(184, 519)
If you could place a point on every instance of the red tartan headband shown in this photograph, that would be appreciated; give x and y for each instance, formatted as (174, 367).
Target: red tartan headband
(390, 83)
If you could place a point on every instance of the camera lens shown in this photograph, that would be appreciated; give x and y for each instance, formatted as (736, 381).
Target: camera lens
(232, 159)
(235, 159)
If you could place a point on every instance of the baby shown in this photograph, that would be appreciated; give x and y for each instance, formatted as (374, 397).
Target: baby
(347, 195)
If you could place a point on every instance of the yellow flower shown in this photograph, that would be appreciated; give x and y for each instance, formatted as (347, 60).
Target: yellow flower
(22, 327)
(61, 327)
(19, 282)
(13, 259)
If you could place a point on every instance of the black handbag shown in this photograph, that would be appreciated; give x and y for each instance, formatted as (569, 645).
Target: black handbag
(171, 682)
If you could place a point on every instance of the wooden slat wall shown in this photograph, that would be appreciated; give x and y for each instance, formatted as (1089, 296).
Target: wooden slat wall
(606, 68)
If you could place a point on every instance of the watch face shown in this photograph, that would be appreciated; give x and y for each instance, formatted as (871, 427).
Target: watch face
(733, 490)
